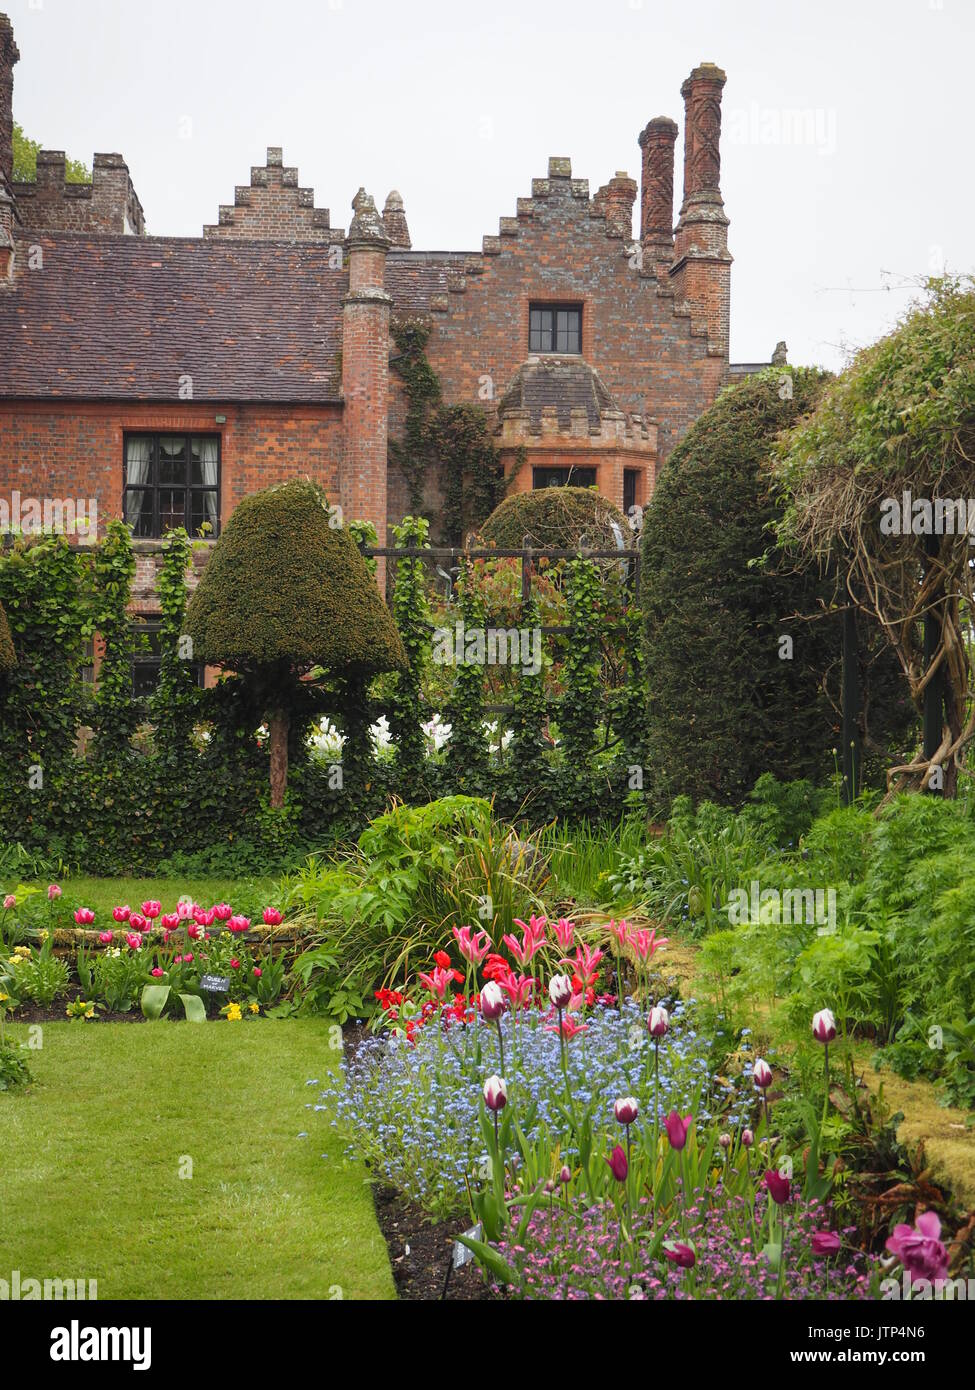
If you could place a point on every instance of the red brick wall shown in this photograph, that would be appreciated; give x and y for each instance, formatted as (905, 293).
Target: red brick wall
(653, 358)
(272, 207)
(74, 449)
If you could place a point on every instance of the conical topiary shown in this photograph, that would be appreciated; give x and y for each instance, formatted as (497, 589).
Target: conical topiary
(286, 590)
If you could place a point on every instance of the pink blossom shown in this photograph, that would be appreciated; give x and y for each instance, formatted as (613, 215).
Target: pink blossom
(618, 1165)
(170, 921)
(105, 937)
(679, 1253)
(53, 891)
(137, 922)
(535, 928)
(257, 972)
(645, 943)
(152, 908)
(677, 1127)
(564, 932)
(193, 932)
(222, 911)
(621, 931)
(84, 917)
(133, 940)
(122, 914)
(235, 964)
(272, 917)
(920, 1248)
(473, 947)
(518, 989)
(157, 972)
(238, 924)
(186, 910)
(9, 901)
(438, 980)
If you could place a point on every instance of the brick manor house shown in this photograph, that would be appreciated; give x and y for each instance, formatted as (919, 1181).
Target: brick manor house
(166, 377)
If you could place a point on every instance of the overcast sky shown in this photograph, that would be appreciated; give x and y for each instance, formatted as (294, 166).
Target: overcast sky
(846, 150)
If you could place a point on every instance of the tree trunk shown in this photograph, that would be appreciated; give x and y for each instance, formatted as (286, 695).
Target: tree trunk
(278, 722)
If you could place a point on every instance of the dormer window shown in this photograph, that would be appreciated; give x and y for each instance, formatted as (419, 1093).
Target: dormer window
(555, 328)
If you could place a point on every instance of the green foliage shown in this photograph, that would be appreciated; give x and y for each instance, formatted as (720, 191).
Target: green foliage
(13, 1067)
(554, 518)
(8, 657)
(285, 590)
(724, 707)
(467, 750)
(175, 704)
(411, 613)
(115, 713)
(450, 440)
(582, 669)
(416, 872)
(40, 977)
(25, 161)
(528, 716)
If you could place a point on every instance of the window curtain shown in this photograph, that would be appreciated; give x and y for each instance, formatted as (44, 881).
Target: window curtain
(209, 454)
(138, 468)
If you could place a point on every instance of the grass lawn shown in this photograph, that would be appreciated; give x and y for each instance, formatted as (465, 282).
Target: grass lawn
(102, 894)
(90, 1160)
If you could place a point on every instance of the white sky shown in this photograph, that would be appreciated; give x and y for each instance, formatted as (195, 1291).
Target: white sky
(459, 105)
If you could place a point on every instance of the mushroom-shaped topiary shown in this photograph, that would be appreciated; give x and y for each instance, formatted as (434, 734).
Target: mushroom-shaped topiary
(8, 657)
(555, 518)
(284, 591)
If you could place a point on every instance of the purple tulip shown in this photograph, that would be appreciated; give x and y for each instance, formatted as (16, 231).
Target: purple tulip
(626, 1110)
(824, 1026)
(618, 1164)
(495, 1093)
(677, 1128)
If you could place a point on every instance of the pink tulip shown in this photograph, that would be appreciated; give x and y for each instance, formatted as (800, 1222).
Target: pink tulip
(257, 972)
(133, 940)
(533, 928)
(157, 972)
(193, 932)
(565, 1174)
(152, 909)
(122, 914)
(53, 891)
(492, 1001)
(235, 964)
(200, 916)
(586, 961)
(824, 1026)
(645, 943)
(779, 1187)
(618, 1165)
(564, 932)
(658, 1023)
(136, 922)
(473, 947)
(521, 951)
(106, 937)
(222, 911)
(169, 920)
(272, 917)
(679, 1253)
(621, 931)
(238, 924)
(724, 1142)
(920, 1248)
(626, 1110)
(762, 1074)
(518, 988)
(209, 917)
(185, 910)
(9, 901)
(677, 1128)
(747, 1138)
(495, 1093)
(825, 1243)
(188, 957)
(84, 917)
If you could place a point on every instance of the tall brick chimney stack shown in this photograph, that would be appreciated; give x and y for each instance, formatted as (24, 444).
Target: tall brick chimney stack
(394, 221)
(9, 54)
(657, 192)
(365, 367)
(701, 272)
(615, 199)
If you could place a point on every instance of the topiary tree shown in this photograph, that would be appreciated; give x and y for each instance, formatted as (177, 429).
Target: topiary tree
(8, 657)
(723, 706)
(284, 594)
(554, 518)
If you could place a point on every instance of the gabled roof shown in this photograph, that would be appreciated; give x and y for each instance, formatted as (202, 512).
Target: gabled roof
(130, 318)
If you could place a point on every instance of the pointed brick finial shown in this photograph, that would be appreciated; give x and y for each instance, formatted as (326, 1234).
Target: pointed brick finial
(394, 220)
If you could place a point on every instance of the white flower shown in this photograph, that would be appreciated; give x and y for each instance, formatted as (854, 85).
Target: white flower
(379, 733)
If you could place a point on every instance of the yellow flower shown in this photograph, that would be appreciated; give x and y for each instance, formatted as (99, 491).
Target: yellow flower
(233, 1013)
(255, 1008)
(3, 997)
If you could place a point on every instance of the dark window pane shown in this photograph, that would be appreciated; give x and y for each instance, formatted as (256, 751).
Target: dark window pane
(138, 510)
(138, 459)
(145, 678)
(203, 509)
(172, 508)
(172, 459)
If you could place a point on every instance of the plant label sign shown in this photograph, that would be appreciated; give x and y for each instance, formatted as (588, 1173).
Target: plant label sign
(462, 1255)
(215, 984)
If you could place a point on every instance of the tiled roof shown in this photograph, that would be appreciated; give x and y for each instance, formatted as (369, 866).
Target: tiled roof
(116, 318)
(565, 383)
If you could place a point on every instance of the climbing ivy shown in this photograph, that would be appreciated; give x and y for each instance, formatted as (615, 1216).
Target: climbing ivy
(528, 715)
(579, 712)
(176, 700)
(467, 751)
(411, 612)
(451, 441)
(115, 714)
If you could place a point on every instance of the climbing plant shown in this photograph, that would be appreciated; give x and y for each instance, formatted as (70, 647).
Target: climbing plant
(467, 751)
(114, 570)
(176, 699)
(449, 441)
(411, 613)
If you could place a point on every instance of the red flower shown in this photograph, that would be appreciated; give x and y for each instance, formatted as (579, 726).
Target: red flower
(496, 968)
(779, 1188)
(443, 960)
